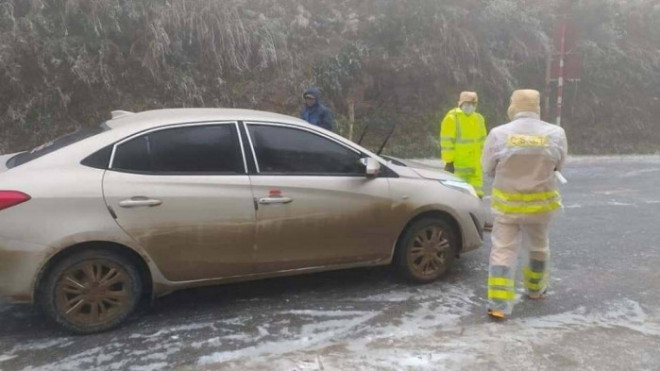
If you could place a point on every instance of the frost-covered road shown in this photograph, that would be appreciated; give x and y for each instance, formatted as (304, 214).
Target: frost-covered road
(603, 311)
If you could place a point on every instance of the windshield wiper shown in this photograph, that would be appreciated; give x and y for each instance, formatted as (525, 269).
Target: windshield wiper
(364, 132)
(387, 138)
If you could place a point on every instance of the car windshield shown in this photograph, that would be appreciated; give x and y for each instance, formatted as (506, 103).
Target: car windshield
(55, 144)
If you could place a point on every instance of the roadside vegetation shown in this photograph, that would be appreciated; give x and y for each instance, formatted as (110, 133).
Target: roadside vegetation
(66, 64)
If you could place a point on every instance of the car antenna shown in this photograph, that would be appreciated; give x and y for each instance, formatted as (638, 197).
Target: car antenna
(386, 140)
(366, 129)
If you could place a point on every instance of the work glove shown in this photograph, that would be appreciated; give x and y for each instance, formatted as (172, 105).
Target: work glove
(449, 167)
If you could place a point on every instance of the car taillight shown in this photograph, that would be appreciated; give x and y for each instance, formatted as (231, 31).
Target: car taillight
(12, 198)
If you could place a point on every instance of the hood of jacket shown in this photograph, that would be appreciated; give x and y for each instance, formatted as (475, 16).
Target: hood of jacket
(315, 92)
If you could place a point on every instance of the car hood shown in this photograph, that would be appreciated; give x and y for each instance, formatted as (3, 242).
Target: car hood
(435, 174)
(423, 170)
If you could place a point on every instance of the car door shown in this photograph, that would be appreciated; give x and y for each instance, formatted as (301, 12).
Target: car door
(316, 207)
(184, 194)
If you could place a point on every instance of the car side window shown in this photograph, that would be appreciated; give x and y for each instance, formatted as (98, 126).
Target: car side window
(283, 150)
(208, 149)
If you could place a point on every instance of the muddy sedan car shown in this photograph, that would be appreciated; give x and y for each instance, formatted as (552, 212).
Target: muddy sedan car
(157, 201)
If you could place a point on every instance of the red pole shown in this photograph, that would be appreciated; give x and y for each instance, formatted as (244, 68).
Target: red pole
(560, 80)
(548, 87)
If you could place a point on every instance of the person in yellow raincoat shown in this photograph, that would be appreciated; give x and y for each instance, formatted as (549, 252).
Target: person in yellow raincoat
(462, 137)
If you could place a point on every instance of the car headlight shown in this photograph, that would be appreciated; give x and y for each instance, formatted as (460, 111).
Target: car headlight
(460, 186)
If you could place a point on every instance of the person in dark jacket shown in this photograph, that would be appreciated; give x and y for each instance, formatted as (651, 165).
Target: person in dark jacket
(314, 112)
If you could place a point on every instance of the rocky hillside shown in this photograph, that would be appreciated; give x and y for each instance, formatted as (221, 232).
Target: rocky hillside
(67, 63)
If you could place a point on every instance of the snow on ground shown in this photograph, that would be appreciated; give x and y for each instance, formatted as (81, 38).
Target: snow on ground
(433, 310)
(597, 315)
(426, 339)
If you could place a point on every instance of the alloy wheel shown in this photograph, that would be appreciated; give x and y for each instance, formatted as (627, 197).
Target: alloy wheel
(94, 292)
(429, 251)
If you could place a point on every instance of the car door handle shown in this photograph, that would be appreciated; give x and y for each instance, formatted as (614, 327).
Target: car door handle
(140, 202)
(275, 200)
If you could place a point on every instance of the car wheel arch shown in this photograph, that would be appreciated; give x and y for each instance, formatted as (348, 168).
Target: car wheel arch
(433, 214)
(131, 254)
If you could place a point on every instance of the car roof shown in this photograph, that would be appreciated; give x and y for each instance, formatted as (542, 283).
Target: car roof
(126, 124)
(163, 117)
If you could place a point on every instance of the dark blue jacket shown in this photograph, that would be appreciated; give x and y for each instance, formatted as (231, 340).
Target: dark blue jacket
(318, 114)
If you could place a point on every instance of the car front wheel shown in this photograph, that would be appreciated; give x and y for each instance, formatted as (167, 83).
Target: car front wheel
(426, 250)
(91, 291)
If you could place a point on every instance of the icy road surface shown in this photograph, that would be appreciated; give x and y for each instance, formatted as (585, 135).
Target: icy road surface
(602, 313)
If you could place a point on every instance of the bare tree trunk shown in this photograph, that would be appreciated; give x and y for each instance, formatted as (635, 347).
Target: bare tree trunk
(351, 117)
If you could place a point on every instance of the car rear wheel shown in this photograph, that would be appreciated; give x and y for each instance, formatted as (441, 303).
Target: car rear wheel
(91, 291)
(426, 250)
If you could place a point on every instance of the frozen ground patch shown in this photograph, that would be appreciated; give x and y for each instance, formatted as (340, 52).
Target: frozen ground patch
(356, 332)
(312, 335)
(422, 342)
(6, 357)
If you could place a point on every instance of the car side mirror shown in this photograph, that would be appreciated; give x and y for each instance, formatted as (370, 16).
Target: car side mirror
(372, 167)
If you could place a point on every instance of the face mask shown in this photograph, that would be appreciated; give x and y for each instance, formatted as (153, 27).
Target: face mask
(468, 109)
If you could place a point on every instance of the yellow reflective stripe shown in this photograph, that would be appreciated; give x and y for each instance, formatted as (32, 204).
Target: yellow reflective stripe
(526, 209)
(528, 273)
(457, 124)
(444, 148)
(501, 295)
(521, 140)
(500, 281)
(538, 196)
(471, 141)
(536, 286)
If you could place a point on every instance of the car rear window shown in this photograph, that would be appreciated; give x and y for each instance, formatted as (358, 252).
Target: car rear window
(203, 149)
(54, 145)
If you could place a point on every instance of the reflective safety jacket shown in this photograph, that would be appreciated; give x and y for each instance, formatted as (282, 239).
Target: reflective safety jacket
(522, 156)
(462, 140)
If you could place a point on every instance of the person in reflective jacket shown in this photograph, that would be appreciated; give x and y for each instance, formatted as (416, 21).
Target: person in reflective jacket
(314, 112)
(523, 157)
(462, 136)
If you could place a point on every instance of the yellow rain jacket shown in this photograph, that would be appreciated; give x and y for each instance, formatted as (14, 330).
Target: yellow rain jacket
(462, 139)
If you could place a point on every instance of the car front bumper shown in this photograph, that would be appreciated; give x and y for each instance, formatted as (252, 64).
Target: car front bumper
(472, 223)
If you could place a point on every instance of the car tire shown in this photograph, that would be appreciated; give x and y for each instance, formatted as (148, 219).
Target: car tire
(426, 250)
(91, 291)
